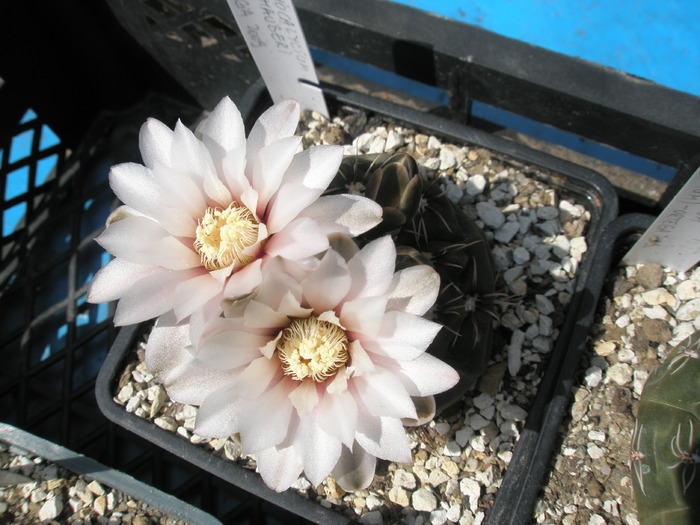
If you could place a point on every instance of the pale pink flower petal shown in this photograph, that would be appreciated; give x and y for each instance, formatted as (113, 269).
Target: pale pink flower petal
(150, 297)
(300, 239)
(383, 394)
(360, 359)
(192, 294)
(347, 214)
(277, 122)
(155, 141)
(372, 269)
(223, 131)
(166, 346)
(264, 422)
(279, 468)
(364, 315)
(190, 155)
(231, 349)
(342, 428)
(116, 278)
(133, 185)
(403, 336)
(268, 166)
(354, 469)
(315, 168)
(304, 398)
(186, 379)
(255, 378)
(153, 246)
(245, 280)
(233, 167)
(328, 284)
(213, 186)
(180, 191)
(424, 376)
(414, 290)
(318, 450)
(384, 438)
(260, 315)
(307, 177)
(219, 412)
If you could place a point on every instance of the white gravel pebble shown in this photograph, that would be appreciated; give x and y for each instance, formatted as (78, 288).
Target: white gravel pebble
(688, 290)
(515, 352)
(513, 412)
(452, 449)
(593, 376)
(372, 518)
(521, 255)
(463, 435)
(472, 490)
(438, 517)
(655, 312)
(482, 401)
(596, 435)
(51, 509)
(689, 311)
(621, 373)
(490, 214)
(544, 305)
(595, 452)
(659, 296)
(596, 519)
(477, 422)
(547, 213)
(506, 232)
(475, 185)
(404, 479)
(424, 500)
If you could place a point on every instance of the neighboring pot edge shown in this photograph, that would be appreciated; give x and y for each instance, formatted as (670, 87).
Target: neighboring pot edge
(90, 468)
(521, 486)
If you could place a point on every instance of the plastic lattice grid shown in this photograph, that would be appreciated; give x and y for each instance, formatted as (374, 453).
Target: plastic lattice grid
(52, 342)
(196, 41)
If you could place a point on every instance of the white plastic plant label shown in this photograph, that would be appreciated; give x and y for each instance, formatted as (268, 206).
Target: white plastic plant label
(673, 240)
(275, 39)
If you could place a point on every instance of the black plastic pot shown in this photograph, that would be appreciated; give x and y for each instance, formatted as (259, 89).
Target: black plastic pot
(523, 477)
(521, 484)
(91, 469)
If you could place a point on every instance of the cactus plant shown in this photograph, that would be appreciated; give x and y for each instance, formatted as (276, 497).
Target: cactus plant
(431, 229)
(665, 455)
(391, 180)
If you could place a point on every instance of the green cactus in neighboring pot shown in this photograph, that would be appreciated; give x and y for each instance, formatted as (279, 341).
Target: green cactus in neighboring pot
(431, 229)
(665, 455)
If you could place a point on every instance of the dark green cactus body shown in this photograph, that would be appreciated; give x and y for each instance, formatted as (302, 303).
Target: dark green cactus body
(388, 179)
(431, 229)
(665, 456)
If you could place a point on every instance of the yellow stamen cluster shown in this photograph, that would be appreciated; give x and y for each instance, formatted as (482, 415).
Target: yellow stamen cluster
(312, 348)
(222, 235)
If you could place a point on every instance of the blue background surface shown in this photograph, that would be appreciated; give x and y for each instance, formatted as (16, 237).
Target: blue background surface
(652, 39)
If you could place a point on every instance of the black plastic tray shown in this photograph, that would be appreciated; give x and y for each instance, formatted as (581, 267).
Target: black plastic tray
(521, 483)
(91, 469)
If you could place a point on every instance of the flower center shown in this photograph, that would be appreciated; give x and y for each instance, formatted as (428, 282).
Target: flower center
(312, 348)
(222, 235)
